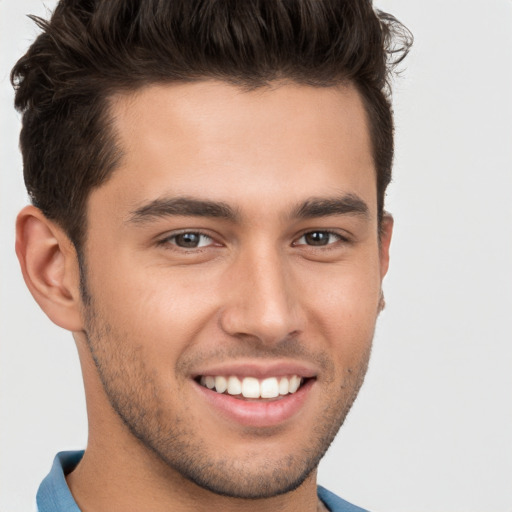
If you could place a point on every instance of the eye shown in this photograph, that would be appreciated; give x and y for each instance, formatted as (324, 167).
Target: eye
(189, 240)
(318, 238)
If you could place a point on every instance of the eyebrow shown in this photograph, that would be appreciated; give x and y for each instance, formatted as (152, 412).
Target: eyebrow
(182, 206)
(348, 204)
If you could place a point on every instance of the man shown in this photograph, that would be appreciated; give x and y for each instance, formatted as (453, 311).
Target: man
(208, 220)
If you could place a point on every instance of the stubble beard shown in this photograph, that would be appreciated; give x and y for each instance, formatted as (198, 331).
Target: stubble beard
(134, 395)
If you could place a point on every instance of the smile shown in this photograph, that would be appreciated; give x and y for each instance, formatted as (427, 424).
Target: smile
(254, 394)
(252, 387)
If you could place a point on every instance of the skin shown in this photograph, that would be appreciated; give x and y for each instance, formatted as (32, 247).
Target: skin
(255, 292)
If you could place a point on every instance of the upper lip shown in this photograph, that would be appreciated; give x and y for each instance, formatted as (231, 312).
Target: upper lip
(259, 369)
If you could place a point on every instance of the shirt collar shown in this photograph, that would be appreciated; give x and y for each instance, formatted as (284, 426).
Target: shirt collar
(53, 494)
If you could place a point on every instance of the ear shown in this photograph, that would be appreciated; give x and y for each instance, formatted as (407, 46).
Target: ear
(386, 230)
(49, 265)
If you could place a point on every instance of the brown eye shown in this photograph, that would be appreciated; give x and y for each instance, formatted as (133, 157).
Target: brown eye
(190, 240)
(318, 238)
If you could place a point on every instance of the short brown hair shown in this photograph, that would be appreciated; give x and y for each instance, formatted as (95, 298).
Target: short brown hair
(91, 49)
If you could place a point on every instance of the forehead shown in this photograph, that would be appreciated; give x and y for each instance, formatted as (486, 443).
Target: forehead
(217, 141)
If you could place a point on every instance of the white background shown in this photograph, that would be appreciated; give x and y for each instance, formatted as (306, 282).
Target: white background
(432, 428)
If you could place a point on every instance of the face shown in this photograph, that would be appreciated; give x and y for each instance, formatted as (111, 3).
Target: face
(233, 277)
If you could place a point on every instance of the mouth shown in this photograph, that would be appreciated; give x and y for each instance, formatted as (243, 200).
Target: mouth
(252, 388)
(259, 398)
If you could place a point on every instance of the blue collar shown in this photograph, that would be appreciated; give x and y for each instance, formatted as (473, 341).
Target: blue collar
(53, 494)
(335, 503)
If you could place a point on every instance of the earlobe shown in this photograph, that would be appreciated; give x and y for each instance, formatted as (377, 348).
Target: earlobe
(386, 231)
(50, 267)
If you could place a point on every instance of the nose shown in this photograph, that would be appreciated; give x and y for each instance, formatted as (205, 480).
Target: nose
(261, 302)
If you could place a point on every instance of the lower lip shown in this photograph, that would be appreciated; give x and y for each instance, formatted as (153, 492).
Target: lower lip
(256, 413)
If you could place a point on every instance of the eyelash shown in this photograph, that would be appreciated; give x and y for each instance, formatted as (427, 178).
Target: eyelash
(338, 236)
(169, 239)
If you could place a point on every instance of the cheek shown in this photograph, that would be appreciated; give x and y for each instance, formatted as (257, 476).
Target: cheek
(344, 309)
(150, 306)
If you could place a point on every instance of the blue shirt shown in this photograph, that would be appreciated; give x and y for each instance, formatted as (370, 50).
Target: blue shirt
(54, 495)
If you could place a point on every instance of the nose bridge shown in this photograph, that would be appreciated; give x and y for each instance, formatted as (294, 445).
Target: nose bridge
(262, 303)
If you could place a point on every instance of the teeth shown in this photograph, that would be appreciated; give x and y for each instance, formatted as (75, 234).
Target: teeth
(234, 386)
(209, 382)
(269, 388)
(221, 384)
(284, 386)
(251, 387)
(294, 384)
